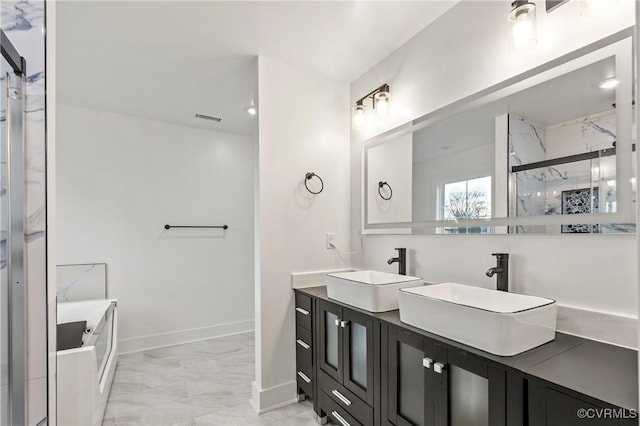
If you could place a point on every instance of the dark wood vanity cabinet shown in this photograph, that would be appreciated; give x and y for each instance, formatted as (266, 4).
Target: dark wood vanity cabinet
(429, 383)
(373, 370)
(348, 347)
(305, 372)
(551, 405)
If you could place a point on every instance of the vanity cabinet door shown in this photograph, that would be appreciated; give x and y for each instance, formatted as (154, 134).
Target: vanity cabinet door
(554, 406)
(430, 383)
(471, 392)
(332, 324)
(411, 394)
(358, 335)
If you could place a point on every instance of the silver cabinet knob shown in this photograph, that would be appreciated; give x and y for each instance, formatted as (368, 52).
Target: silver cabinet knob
(438, 367)
(426, 362)
(338, 322)
(303, 344)
(343, 324)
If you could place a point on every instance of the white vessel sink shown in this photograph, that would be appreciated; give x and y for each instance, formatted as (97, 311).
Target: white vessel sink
(497, 322)
(372, 291)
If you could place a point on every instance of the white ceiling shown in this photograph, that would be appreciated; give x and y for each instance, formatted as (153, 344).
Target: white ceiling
(168, 60)
(461, 132)
(569, 96)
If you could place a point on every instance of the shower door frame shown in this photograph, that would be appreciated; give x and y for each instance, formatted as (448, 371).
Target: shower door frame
(14, 305)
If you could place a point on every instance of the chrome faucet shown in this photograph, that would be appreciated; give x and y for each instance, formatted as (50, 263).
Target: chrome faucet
(502, 269)
(401, 259)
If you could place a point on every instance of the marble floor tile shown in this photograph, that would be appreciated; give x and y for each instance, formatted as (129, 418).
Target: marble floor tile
(123, 420)
(201, 383)
(176, 350)
(176, 412)
(118, 410)
(153, 396)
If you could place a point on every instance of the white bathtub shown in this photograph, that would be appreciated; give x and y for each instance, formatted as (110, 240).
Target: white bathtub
(85, 374)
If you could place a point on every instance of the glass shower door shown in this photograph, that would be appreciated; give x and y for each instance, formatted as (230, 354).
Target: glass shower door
(4, 270)
(12, 285)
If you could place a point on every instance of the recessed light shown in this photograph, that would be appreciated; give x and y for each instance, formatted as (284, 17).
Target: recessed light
(609, 83)
(252, 111)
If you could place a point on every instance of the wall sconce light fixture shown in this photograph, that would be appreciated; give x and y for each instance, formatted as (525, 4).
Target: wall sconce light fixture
(380, 104)
(523, 24)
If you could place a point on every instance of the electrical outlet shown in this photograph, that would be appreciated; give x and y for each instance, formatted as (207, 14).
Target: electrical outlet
(331, 240)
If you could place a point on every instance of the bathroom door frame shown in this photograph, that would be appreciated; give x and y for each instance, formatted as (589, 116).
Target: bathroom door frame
(15, 303)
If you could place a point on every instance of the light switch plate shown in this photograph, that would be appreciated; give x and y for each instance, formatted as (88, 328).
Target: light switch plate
(331, 240)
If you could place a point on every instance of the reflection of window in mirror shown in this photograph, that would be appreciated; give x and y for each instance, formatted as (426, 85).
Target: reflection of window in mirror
(466, 199)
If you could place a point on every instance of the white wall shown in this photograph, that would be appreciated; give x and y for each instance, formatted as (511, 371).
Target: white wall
(303, 127)
(120, 179)
(390, 162)
(465, 51)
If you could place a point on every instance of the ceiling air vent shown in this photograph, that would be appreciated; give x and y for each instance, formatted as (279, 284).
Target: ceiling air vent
(209, 117)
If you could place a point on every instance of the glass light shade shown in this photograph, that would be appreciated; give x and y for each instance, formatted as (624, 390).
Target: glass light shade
(358, 116)
(382, 103)
(523, 21)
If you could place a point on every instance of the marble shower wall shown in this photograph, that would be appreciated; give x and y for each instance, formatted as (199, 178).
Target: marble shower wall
(528, 144)
(540, 191)
(23, 23)
(81, 282)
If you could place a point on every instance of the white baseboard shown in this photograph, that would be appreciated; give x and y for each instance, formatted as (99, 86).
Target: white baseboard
(155, 341)
(263, 400)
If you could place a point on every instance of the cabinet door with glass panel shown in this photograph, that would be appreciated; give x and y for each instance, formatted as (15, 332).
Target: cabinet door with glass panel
(411, 391)
(347, 347)
(433, 384)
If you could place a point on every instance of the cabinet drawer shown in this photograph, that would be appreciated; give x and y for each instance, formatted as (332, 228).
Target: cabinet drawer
(304, 351)
(305, 383)
(303, 311)
(336, 413)
(346, 399)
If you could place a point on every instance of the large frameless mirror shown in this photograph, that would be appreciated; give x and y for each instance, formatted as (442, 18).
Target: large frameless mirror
(550, 153)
